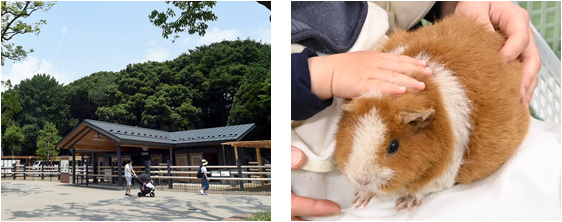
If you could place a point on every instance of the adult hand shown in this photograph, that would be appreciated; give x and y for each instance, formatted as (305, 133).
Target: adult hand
(513, 22)
(348, 75)
(304, 206)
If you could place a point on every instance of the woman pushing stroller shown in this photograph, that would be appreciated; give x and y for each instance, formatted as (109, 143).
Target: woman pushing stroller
(129, 173)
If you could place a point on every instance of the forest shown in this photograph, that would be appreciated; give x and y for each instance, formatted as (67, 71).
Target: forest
(221, 84)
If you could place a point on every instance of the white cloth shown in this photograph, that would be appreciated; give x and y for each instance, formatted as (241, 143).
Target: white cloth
(203, 169)
(527, 187)
(149, 185)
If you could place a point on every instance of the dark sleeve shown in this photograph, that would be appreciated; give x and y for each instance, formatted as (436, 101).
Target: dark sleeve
(304, 104)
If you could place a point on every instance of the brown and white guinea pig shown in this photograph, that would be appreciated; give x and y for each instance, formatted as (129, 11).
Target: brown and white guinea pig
(465, 124)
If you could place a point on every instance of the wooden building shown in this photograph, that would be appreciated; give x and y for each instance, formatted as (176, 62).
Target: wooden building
(110, 144)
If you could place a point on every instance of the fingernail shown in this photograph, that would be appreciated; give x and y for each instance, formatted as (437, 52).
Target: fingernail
(427, 70)
(402, 89)
(296, 156)
(422, 62)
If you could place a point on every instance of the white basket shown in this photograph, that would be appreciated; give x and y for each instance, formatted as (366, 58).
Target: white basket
(546, 99)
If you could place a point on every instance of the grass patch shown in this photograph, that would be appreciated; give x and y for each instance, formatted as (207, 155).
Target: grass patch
(261, 216)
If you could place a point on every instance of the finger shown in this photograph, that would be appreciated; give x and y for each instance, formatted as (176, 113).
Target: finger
(297, 158)
(530, 91)
(304, 206)
(406, 68)
(514, 24)
(514, 46)
(403, 58)
(531, 60)
(385, 87)
(400, 80)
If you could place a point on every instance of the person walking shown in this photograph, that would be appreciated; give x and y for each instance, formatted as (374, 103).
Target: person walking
(129, 173)
(204, 177)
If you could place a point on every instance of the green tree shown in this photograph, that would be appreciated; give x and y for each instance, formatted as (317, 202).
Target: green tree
(119, 113)
(13, 12)
(12, 139)
(252, 103)
(29, 145)
(86, 94)
(10, 104)
(42, 100)
(222, 83)
(194, 15)
(47, 141)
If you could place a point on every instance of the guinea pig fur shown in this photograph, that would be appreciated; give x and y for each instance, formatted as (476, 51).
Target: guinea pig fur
(465, 124)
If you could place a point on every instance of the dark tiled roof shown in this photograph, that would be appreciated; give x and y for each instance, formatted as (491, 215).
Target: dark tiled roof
(212, 134)
(133, 133)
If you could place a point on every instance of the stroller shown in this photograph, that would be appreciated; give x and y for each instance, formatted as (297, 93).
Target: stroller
(146, 186)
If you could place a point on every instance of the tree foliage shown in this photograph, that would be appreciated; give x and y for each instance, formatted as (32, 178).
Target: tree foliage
(47, 141)
(193, 91)
(13, 13)
(42, 100)
(193, 17)
(12, 139)
(30, 134)
(85, 95)
(224, 83)
(10, 104)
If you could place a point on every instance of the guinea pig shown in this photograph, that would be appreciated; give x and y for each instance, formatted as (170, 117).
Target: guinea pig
(467, 122)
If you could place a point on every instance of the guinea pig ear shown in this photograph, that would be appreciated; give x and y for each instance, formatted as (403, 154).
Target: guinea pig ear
(418, 120)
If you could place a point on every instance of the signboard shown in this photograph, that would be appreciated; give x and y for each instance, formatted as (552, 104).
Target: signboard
(220, 173)
(64, 166)
(215, 173)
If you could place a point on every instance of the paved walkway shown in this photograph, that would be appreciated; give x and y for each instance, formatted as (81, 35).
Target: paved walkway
(43, 200)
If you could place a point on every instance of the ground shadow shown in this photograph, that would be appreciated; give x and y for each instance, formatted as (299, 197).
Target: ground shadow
(138, 208)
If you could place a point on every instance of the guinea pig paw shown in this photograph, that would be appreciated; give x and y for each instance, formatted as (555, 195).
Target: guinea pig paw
(362, 198)
(408, 201)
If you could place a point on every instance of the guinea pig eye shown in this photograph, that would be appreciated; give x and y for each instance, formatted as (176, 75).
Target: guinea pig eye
(393, 147)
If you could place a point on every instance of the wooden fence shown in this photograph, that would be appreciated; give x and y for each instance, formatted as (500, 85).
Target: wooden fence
(223, 179)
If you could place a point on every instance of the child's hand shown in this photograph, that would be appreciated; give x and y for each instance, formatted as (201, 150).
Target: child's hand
(349, 75)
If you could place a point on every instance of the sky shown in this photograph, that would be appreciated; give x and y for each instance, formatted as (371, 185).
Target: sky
(81, 38)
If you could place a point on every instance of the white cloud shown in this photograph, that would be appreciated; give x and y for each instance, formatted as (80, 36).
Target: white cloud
(32, 66)
(155, 53)
(64, 31)
(185, 41)
(217, 35)
(263, 34)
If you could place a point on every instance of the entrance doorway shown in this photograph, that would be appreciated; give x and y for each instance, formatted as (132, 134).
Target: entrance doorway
(181, 160)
